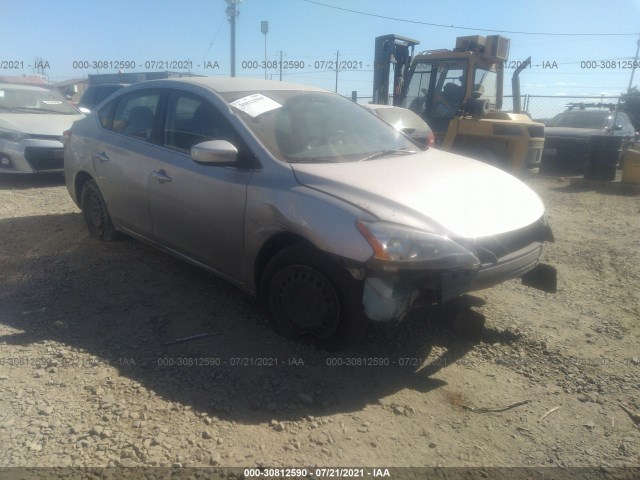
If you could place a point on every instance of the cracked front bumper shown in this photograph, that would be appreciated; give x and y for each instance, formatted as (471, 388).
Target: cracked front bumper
(388, 296)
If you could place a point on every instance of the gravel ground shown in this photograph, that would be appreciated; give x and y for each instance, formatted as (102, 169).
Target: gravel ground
(87, 377)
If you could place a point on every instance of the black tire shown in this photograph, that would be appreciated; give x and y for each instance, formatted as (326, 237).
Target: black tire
(309, 297)
(96, 215)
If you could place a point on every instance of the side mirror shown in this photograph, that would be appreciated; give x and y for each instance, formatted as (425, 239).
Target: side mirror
(214, 152)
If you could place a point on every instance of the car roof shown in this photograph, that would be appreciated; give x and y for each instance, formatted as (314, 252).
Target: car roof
(593, 113)
(232, 84)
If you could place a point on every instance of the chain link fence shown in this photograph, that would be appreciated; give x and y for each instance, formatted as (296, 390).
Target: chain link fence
(567, 154)
(540, 107)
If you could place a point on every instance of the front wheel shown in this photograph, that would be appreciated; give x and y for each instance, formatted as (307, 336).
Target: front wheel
(95, 213)
(307, 296)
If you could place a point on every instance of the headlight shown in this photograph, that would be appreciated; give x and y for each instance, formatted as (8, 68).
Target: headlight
(12, 135)
(411, 248)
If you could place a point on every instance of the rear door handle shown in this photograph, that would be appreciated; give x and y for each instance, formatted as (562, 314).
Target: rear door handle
(161, 176)
(101, 156)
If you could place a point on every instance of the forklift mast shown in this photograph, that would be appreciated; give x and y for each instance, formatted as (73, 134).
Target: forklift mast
(391, 49)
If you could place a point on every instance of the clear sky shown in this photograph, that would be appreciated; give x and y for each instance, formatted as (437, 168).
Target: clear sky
(68, 31)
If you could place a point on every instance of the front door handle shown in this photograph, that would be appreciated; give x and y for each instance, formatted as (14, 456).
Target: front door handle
(101, 156)
(161, 176)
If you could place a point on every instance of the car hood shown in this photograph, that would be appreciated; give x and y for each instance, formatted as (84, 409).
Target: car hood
(431, 190)
(38, 123)
(572, 132)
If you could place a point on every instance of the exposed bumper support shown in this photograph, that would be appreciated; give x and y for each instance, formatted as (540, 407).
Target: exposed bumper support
(385, 299)
(390, 297)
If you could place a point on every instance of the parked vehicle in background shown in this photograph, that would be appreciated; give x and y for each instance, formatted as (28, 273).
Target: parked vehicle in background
(32, 120)
(299, 196)
(568, 137)
(95, 94)
(405, 121)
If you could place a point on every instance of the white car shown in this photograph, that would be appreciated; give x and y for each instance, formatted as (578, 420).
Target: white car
(405, 121)
(32, 120)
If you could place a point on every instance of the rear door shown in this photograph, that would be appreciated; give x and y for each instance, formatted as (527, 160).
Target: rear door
(198, 210)
(123, 156)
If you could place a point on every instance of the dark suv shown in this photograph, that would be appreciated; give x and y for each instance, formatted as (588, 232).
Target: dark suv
(95, 94)
(568, 137)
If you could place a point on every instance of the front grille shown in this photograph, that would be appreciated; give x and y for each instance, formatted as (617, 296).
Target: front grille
(490, 249)
(41, 158)
(568, 155)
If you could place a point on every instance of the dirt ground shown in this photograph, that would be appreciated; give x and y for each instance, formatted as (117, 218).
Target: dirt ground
(522, 378)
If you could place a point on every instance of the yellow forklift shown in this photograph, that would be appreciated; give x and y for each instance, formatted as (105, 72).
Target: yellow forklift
(459, 94)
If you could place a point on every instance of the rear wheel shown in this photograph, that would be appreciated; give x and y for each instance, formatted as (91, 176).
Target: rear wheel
(308, 297)
(95, 213)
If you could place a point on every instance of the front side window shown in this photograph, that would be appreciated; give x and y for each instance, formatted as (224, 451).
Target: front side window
(416, 96)
(191, 120)
(449, 91)
(134, 114)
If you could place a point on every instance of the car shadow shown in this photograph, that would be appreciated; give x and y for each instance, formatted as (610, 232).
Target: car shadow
(133, 308)
(26, 181)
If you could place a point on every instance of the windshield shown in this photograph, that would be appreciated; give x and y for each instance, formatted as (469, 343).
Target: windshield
(315, 127)
(23, 100)
(579, 120)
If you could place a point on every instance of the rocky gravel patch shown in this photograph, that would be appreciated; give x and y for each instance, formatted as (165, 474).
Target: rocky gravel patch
(91, 376)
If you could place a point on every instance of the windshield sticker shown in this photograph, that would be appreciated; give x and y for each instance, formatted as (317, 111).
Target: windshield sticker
(255, 104)
(52, 102)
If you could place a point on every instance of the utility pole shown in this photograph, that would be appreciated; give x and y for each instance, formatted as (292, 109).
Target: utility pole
(280, 65)
(264, 28)
(337, 60)
(232, 14)
(633, 70)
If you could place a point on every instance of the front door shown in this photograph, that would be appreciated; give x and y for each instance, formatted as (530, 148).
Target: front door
(198, 210)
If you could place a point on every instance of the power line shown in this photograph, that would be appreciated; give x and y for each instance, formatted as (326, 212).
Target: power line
(470, 28)
(213, 39)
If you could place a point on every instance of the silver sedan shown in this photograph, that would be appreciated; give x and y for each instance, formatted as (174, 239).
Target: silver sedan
(32, 121)
(303, 198)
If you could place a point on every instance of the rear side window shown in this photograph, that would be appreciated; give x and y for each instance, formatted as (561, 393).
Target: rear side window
(623, 120)
(134, 114)
(105, 91)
